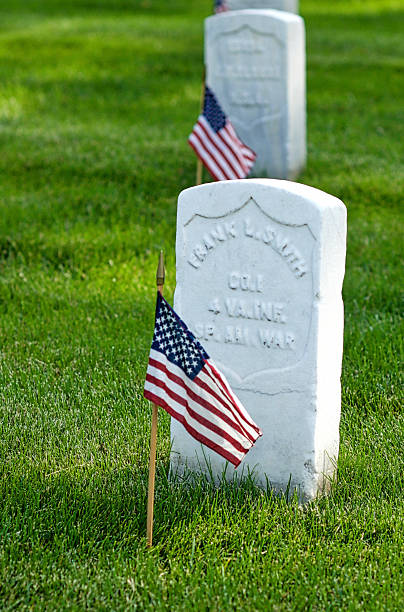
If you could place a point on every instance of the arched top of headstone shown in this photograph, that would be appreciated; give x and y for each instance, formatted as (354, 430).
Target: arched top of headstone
(291, 6)
(297, 195)
(257, 14)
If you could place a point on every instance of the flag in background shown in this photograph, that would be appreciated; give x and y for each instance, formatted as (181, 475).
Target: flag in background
(182, 379)
(215, 142)
(220, 6)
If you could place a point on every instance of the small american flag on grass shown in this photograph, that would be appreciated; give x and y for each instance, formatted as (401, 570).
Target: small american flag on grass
(215, 142)
(220, 6)
(182, 379)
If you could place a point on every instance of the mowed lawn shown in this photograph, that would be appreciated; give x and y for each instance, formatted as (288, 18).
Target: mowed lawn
(97, 98)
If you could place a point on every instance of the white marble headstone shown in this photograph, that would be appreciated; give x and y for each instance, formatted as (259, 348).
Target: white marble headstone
(255, 64)
(260, 265)
(292, 6)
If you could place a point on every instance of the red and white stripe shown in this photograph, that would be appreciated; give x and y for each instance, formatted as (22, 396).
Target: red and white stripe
(206, 406)
(222, 152)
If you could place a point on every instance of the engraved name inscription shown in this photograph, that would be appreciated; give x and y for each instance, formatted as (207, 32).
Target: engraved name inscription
(250, 72)
(253, 57)
(244, 228)
(248, 42)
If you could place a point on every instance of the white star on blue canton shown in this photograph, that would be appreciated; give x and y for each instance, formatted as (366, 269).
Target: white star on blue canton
(173, 339)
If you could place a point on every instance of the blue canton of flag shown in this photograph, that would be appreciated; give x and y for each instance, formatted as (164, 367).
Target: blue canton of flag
(173, 338)
(220, 6)
(217, 145)
(182, 379)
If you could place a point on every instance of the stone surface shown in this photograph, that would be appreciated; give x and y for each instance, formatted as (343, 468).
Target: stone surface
(260, 265)
(255, 64)
(292, 6)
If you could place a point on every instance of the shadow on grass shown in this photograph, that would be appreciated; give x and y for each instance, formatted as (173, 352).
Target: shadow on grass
(87, 510)
(146, 7)
(104, 7)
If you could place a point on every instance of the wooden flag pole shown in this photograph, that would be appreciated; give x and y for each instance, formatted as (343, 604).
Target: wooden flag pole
(153, 435)
(199, 166)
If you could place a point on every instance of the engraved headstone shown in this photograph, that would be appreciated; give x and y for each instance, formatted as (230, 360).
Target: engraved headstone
(255, 64)
(260, 265)
(292, 6)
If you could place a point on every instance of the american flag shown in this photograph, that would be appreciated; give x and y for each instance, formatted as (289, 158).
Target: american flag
(215, 142)
(182, 379)
(221, 6)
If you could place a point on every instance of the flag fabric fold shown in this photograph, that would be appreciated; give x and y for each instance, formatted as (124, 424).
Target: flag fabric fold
(217, 145)
(182, 379)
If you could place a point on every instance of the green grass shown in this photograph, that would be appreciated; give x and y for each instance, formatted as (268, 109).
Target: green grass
(96, 101)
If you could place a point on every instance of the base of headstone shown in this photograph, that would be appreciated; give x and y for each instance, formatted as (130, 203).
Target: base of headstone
(260, 265)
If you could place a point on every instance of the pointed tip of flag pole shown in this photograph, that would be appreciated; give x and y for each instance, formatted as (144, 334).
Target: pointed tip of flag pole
(161, 273)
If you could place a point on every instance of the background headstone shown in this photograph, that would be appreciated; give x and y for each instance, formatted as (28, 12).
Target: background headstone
(260, 265)
(291, 6)
(255, 64)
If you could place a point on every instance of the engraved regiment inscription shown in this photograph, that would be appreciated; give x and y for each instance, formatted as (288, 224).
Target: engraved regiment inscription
(263, 302)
